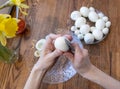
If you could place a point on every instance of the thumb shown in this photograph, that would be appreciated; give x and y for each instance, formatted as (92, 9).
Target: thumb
(55, 54)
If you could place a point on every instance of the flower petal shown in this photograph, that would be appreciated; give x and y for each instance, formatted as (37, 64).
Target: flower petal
(3, 39)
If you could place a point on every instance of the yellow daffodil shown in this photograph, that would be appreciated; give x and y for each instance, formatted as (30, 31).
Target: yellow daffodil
(18, 3)
(8, 28)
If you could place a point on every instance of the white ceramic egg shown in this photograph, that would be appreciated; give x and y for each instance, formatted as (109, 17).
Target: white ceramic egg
(39, 44)
(98, 34)
(80, 36)
(84, 11)
(108, 24)
(75, 15)
(84, 29)
(92, 9)
(89, 38)
(93, 16)
(77, 32)
(73, 28)
(105, 31)
(61, 44)
(105, 18)
(100, 24)
(80, 21)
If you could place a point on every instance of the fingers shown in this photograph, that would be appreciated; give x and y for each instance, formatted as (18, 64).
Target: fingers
(56, 53)
(69, 37)
(69, 55)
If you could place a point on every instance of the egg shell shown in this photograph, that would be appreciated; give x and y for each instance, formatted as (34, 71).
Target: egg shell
(84, 29)
(108, 24)
(80, 21)
(92, 9)
(73, 28)
(75, 15)
(89, 38)
(105, 31)
(105, 18)
(37, 53)
(84, 11)
(61, 44)
(98, 34)
(39, 44)
(93, 16)
(100, 24)
(80, 36)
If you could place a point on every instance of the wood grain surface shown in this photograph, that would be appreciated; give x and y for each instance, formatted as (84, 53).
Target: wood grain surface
(53, 16)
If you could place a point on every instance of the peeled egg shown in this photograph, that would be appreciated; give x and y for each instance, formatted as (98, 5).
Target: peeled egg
(98, 34)
(101, 15)
(77, 32)
(61, 44)
(105, 18)
(84, 11)
(39, 44)
(75, 15)
(80, 36)
(92, 28)
(89, 38)
(100, 24)
(93, 16)
(84, 29)
(92, 9)
(73, 28)
(80, 21)
(108, 24)
(105, 31)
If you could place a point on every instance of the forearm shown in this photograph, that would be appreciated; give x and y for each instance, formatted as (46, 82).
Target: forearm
(99, 77)
(35, 78)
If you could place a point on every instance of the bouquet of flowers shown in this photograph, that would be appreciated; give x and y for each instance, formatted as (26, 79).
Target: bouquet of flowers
(9, 27)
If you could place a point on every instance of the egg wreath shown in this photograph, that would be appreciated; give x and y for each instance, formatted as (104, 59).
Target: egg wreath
(83, 29)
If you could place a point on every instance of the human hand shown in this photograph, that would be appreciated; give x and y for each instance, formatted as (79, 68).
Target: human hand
(48, 54)
(80, 59)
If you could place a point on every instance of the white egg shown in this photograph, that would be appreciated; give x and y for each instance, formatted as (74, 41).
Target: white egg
(80, 21)
(105, 31)
(89, 38)
(105, 18)
(37, 53)
(101, 15)
(93, 16)
(108, 24)
(61, 44)
(98, 34)
(77, 32)
(84, 29)
(75, 15)
(73, 28)
(100, 24)
(80, 36)
(92, 9)
(92, 28)
(39, 44)
(84, 11)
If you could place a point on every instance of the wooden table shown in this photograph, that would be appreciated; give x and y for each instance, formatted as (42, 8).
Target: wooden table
(50, 16)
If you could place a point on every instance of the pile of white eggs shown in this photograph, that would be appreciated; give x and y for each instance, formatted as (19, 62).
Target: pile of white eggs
(81, 28)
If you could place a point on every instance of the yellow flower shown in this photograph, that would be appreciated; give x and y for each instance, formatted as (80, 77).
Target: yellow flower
(8, 28)
(20, 5)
